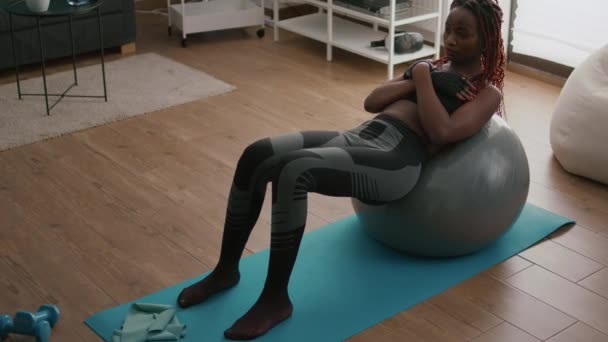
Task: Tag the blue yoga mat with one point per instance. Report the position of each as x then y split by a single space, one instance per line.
343 283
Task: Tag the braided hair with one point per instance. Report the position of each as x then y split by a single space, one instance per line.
489 18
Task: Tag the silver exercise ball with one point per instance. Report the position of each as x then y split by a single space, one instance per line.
467 197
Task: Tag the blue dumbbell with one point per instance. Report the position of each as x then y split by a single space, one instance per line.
37 324
6 326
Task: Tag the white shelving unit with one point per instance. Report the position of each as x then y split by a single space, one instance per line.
212 15
345 34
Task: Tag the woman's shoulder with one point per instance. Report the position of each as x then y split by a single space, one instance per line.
490 94
408 72
491 89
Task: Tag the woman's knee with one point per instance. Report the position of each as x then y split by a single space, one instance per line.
251 158
291 168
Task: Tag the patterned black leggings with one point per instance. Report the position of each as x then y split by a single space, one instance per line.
376 162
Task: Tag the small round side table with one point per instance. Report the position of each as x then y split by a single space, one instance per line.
57 8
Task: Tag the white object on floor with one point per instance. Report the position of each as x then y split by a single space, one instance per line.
137 85
213 15
579 126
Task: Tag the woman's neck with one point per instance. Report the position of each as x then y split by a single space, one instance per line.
470 70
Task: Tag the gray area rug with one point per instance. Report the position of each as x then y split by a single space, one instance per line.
136 85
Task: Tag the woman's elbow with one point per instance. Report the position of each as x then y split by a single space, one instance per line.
370 106
438 136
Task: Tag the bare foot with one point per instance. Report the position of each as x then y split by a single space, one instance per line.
210 285
263 316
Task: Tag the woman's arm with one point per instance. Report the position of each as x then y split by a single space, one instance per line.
393 90
389 92
469 118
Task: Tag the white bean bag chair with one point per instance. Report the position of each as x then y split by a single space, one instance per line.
579 126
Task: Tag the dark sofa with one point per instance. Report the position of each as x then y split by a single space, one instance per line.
118 20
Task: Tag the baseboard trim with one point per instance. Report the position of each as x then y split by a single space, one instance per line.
536 74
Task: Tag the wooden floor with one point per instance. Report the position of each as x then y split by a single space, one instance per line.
106 215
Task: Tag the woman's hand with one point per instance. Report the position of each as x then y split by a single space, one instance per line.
469 91
453 85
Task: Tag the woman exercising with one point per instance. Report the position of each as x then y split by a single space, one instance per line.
433 104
